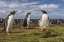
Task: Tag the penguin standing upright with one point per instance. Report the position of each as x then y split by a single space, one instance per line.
44 21
9 22
27 20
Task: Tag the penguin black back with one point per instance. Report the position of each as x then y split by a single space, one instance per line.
25 19
6 20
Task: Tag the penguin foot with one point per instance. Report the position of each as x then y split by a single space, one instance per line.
8 33
46 30
42 29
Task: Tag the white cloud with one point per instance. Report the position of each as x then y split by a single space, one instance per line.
2 4
33 7
24 0
2 11
19 11
51 6
26 4
13 5
62 0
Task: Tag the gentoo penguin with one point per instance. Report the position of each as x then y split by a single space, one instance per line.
44 21
27 20
9 22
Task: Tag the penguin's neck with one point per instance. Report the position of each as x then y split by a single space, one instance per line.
28 16
11 15
44 13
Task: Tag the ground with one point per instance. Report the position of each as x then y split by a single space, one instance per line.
33 34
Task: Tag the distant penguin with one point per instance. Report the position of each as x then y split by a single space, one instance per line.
44 21
27 20
9 22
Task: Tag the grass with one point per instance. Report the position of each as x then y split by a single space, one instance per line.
33 34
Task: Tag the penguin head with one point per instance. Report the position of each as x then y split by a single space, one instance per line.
44 12
28 13
13 12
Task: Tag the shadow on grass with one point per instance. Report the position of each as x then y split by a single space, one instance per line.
48 34
32 28
18 32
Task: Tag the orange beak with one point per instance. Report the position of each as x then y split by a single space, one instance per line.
16 10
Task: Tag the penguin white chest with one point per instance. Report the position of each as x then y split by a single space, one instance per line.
44 23
44 17
11 19
28 20
10 23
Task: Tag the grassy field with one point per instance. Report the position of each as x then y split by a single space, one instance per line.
33 34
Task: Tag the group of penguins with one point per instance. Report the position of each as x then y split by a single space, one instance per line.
43 22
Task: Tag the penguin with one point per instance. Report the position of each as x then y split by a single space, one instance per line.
9 22
44 21
26 20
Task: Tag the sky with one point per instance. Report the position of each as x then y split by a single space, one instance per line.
54 8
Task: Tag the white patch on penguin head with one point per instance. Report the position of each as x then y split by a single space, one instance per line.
15 10
29 13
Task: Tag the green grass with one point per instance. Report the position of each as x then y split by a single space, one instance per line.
33 35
